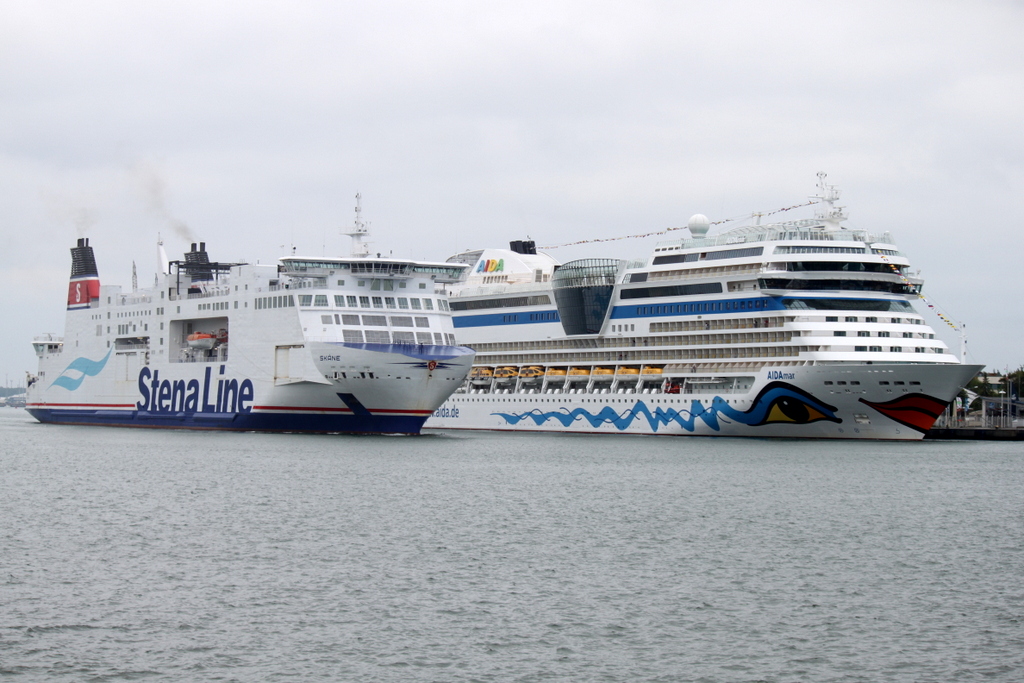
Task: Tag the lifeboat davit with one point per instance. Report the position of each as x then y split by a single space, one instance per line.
201 340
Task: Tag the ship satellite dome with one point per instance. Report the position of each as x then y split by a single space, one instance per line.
698 225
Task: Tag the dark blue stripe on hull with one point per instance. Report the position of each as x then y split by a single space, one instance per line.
252 422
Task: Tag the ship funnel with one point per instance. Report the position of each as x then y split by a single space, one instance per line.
197 262
85 278
526 247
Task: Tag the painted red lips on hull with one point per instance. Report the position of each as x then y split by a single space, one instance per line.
917 411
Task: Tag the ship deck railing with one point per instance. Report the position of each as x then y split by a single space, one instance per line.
807 230
300 282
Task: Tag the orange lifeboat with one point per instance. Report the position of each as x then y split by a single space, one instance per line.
201 340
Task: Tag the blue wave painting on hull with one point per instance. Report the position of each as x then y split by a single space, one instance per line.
88 368
777 402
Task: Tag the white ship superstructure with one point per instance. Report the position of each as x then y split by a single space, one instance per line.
797 329
349 344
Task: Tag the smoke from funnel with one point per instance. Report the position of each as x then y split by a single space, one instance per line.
84 219
153 188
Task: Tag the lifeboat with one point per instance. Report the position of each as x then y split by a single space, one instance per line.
604 371
556 372
201 340
531 372
579 371
629 371
506 372
481 374
650 370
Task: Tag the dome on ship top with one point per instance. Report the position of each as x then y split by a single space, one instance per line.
698 225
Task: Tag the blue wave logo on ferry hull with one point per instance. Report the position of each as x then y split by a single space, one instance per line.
87 368
776 403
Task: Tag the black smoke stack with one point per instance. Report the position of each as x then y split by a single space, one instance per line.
523 246
83 261
197 263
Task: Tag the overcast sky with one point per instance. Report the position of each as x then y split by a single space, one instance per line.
251 126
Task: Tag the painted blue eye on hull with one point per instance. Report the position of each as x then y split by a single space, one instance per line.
776 403
88 368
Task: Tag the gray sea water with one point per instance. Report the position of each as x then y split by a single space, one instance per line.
184 556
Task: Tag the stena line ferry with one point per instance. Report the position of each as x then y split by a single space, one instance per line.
355 345
796 329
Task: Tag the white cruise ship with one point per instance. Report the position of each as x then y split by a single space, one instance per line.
797 329
354 345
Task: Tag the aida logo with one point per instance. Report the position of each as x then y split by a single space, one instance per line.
491 265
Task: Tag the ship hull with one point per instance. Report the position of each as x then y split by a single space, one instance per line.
336 388
876 401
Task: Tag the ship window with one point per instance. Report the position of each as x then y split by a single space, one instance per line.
450 338
884 383
841 383
423 338
899 383
883 334
851 318
840 333
352 302
828 382
375 285
914 382
401 321
341 283
831 318
862 333
855 383
896 320
327 319
908 335
375 321
875 349
422 321
378 337
337 320
403 337
895 349
321 300
428 304
305 299
364 302
339 300
860 348
353 336
871 319
415 304
378 302
438 338
403 303
348 319
389 301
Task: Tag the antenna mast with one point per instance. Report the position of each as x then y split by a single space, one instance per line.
359 232
829 194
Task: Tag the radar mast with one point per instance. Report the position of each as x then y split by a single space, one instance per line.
359 232
831 214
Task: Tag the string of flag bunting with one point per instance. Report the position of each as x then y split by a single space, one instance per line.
907 282
683 227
